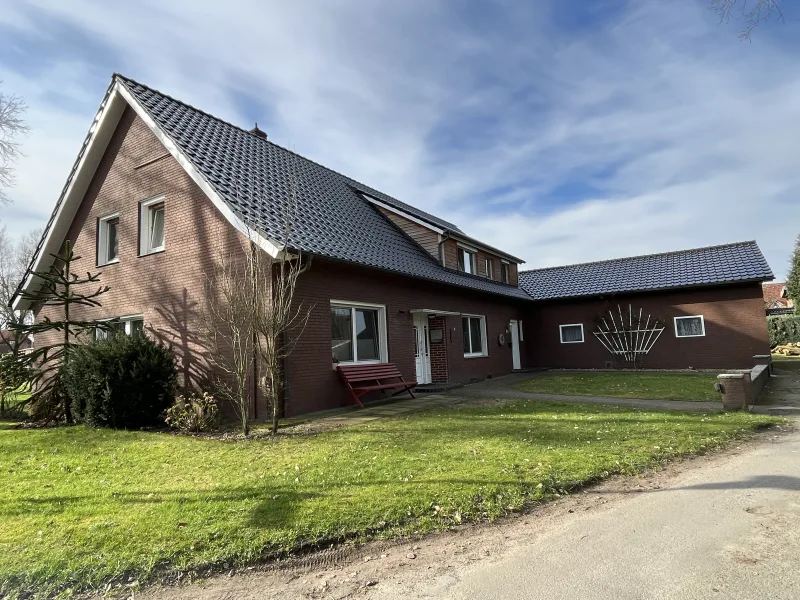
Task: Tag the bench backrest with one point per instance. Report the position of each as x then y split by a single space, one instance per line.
369 372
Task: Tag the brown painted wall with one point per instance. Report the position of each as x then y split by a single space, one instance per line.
734 318
167 288
451 261
426 238
313 383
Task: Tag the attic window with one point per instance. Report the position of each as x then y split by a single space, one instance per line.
489 268
151 226
108 240
504 271
466 260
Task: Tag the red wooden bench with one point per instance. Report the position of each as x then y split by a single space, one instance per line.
361 379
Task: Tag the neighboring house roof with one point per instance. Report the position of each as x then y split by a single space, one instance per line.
7 336
252 182
775 295
714 265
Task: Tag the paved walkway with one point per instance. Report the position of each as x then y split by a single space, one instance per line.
782 395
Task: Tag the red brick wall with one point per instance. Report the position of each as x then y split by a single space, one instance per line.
312 381
438 351
167 288
734 318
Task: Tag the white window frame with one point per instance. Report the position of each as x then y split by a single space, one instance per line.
472 253
484 340
102 240
505 271
488 267
702 326
561 333
127 321
145 216
383 338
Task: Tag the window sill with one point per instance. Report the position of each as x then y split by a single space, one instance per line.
109 263
152 253
351 363
573 342
680 337
476 355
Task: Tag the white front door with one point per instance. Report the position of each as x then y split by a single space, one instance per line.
514 327
422 352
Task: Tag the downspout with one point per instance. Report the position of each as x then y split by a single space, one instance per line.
442 240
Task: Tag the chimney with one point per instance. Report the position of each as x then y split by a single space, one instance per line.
258 133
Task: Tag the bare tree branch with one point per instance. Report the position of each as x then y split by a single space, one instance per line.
752 12
12 126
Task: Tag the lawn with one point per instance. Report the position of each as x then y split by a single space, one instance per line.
82 507
654 386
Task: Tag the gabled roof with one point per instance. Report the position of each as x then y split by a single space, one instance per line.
714 265
252 181
775 292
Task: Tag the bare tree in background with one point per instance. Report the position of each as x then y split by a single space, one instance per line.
252 319
752 12
14 261
11 127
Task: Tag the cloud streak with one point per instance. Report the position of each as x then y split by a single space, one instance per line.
561 134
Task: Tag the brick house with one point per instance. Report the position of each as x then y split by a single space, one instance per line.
776 298
160 189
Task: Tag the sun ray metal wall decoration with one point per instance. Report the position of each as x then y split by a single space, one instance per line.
628 336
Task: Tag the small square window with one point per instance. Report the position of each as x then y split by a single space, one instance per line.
108 240
466 260
690 326
572 333
151 233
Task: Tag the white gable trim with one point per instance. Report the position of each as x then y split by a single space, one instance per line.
269 246
104 125
402 213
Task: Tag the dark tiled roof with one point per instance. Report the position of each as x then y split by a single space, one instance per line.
698 267
257 178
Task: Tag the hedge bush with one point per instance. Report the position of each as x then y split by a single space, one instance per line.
124 383
783 329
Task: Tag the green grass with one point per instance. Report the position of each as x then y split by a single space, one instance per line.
82 507
653 386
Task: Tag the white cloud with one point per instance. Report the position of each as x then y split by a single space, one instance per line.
685 133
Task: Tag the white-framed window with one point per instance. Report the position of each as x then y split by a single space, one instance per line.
504 271
466 260
474 328
488 267
132 325
693 326
571 333
108 239
358 332
151 226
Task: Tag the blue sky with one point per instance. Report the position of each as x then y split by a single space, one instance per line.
563 131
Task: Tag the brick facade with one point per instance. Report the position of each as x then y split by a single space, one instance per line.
168 290
735 327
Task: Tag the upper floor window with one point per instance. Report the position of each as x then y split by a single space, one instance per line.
504 271
489 268
690 326
151 233
466 260
108 240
